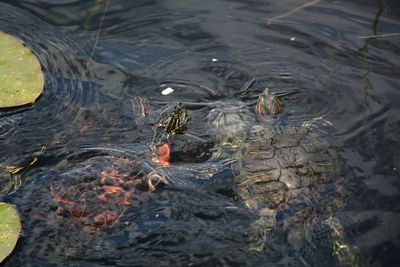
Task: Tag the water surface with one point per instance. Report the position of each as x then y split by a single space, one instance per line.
99 55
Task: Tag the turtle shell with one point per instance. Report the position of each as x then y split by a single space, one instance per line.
278 163
98 191
290 177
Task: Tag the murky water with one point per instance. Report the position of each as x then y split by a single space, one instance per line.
99 56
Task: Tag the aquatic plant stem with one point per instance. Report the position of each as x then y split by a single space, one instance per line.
379 35
314 2
98 34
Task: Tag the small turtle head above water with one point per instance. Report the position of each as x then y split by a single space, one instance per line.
230 123
268 104
175 122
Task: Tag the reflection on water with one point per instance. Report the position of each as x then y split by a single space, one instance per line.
98 56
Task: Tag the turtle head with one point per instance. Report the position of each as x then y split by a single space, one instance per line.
175 121
268 104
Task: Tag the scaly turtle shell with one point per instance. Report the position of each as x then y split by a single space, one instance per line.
289 176
98 191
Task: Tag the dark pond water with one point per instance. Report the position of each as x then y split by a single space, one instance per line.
99 57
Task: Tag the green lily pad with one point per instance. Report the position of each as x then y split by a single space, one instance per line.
10 226
21 76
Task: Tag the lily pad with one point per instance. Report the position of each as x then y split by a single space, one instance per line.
21 76
10 226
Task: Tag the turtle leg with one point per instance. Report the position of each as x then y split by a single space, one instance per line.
261 228
262 231
345 253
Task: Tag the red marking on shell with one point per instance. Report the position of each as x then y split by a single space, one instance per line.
112 189
58 199
76 213
103 218
102 197
126 197
102 200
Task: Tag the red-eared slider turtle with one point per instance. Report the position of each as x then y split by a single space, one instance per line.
289 176
98 190
163 123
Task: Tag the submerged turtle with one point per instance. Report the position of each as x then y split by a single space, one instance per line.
99 190
289 176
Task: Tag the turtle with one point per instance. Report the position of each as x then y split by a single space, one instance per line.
98 190
168 141
288 176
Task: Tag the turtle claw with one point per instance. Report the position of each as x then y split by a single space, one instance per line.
155 181
260 229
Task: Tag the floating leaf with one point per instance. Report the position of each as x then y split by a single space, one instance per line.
10 226
21 77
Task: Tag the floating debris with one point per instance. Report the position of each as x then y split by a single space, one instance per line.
167 91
